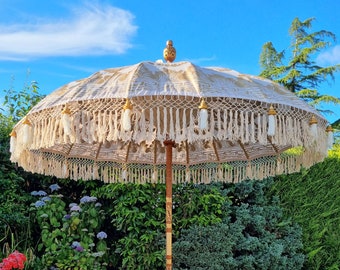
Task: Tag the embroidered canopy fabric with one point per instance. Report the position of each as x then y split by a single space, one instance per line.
165 98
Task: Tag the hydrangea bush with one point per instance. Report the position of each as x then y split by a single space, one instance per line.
71 236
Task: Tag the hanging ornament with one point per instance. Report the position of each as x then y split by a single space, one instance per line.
66 121
126 119
124 174
314 126
13 141
154 176
330 141
203 120
271 121
27 132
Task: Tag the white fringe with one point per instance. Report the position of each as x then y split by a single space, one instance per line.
156 123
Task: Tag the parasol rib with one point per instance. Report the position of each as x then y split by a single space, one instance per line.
155 153
244 149
127 152
273 145
69 150
187 157
98 150
215 150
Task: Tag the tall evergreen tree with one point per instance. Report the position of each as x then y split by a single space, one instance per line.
300 73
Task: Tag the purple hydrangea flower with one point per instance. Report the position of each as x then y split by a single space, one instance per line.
39 204
75 208
88 199
79 248
101 235
68 216
54 187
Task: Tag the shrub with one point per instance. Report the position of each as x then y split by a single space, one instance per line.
253 236
138 218
71 236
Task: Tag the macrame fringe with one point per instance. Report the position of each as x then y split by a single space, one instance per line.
53 164
159 123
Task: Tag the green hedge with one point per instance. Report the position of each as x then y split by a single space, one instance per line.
311 198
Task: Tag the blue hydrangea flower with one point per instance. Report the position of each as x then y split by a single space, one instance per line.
68 216
54 187
75 208
45 199
38 193
88 199
101 235
72 204
39 204
98 254
75 244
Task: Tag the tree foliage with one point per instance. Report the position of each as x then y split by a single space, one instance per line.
18 103
299 72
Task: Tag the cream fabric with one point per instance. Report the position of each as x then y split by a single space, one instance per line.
165 100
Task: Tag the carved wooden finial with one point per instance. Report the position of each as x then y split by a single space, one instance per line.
169 52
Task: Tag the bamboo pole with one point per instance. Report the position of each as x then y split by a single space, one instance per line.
168 203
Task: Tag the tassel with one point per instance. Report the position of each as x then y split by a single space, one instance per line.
271 121
154 176
190 131
27 132
177 126
165 123
126 119
314 127
330 139
184 124
203 120
124 175
13 141
187 175
171 127
66 121
158 122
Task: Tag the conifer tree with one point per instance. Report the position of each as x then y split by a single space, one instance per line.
299 72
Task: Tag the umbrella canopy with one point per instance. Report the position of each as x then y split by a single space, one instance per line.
111 126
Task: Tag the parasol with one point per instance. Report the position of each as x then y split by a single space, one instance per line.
169 122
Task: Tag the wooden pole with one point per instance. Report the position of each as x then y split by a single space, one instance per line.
168 203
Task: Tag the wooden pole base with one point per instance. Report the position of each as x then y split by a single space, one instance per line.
169 144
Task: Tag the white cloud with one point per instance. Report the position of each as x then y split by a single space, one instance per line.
91 30
330 57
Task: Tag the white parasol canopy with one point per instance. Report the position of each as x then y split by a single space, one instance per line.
165 99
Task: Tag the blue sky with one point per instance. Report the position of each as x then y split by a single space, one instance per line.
58 41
